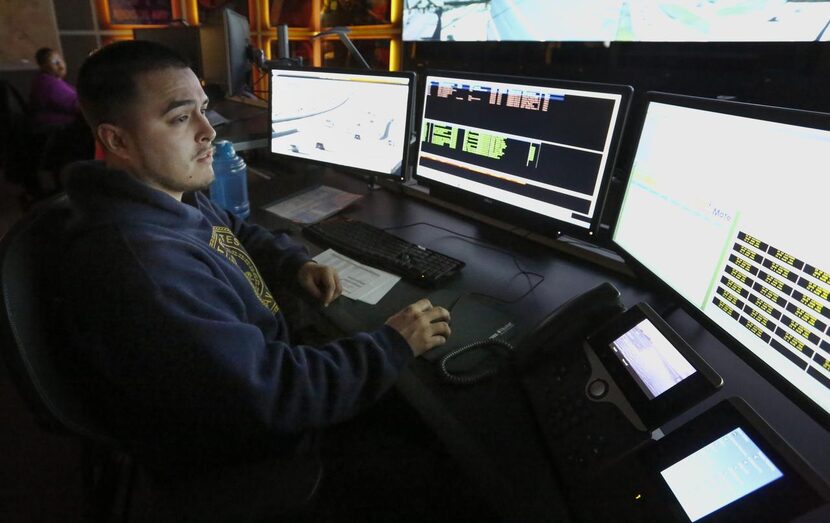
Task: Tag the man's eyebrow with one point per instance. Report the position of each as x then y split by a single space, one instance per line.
175 104
179 103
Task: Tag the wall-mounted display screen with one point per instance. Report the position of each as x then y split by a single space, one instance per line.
618 20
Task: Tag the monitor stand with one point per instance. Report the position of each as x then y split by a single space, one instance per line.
371 183
253 100
215 119
574 246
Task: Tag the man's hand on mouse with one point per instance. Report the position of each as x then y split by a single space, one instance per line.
422 325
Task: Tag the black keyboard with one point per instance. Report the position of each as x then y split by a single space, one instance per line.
378 248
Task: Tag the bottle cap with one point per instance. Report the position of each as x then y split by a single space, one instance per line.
223 149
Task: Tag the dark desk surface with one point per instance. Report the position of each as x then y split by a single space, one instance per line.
489 427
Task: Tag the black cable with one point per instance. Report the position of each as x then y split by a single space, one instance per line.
474 377
263 76
479 243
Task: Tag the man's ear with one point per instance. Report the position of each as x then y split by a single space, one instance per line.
114 139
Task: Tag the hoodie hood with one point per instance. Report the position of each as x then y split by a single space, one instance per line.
110 196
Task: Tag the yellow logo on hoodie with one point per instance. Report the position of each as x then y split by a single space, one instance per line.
225 243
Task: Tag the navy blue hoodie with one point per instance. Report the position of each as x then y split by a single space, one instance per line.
166 303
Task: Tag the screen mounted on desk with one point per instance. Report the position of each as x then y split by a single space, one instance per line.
726 464
658 373
720 473
355 119
726 204
651 359
535 152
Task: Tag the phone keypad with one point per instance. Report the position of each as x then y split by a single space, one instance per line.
581 430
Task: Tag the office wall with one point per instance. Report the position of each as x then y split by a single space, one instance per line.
790 74
77 29
80 33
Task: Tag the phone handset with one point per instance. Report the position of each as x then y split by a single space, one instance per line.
572 321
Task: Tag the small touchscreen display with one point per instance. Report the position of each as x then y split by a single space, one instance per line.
723 471
651 359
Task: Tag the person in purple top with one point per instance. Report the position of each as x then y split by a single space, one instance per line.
57 133
53 102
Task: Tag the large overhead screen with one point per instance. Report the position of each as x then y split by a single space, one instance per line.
726 204
618 20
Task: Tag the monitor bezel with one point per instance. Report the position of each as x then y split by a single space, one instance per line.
411 76
188 37
798 117
534 222
237 66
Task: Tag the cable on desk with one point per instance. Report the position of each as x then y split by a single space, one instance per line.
475 377
263 76
470 239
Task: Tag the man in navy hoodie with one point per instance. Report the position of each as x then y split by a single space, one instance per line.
166 296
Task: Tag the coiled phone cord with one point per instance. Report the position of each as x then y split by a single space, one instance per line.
475 377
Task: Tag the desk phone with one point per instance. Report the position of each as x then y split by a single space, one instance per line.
599 392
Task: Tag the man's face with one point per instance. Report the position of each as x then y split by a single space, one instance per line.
54 65
168 136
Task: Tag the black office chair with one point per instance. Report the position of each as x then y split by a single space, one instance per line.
14 133
48 380
34 156
117 488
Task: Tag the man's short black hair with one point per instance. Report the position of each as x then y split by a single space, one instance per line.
42 55
106 79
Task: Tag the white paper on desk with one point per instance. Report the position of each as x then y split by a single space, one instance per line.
359 282
313 205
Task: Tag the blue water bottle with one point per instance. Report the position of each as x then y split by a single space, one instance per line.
229 189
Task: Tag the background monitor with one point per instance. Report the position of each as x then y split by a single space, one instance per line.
619 20
184 40
358 120
535 152
226 58
726 205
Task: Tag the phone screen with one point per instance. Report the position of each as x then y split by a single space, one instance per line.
723 471
651 359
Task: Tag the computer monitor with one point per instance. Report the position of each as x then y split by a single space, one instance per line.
360 121
184 40
725 206
532 151
225 56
